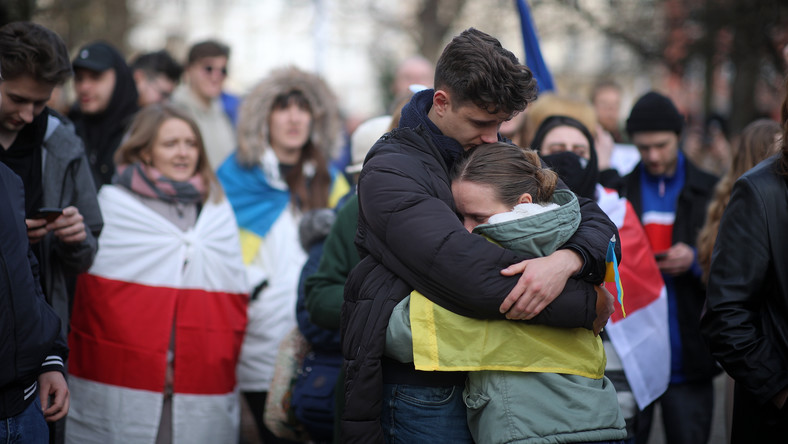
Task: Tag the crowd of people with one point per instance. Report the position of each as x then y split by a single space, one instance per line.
172 255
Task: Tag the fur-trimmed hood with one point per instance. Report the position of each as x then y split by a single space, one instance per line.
253 132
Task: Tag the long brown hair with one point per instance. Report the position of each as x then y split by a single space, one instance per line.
143 132
306 193
757 142
310 91
509 170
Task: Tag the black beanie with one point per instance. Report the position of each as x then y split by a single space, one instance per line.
654 112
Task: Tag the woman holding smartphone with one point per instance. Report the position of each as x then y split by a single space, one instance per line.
159 318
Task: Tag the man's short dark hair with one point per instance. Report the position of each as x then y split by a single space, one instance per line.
159 62
208 48
474 67
30 49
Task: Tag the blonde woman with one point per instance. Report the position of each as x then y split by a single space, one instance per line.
159 318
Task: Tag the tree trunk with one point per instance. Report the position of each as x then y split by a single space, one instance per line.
746 57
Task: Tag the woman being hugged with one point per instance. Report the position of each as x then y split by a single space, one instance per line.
159 318
288 128
527 381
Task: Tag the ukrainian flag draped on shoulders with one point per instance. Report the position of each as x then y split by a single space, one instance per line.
258 196
446 341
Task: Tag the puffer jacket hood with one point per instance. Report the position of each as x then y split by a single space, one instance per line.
253 131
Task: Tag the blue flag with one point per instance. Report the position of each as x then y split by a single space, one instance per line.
533 55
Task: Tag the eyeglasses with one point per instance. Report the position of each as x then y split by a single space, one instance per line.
210 70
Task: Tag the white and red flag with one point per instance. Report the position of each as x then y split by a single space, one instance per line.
151 284
642 338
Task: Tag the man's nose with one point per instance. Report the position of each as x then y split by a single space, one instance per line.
27 113
651 155
490 136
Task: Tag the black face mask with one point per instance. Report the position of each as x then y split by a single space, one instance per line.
578 174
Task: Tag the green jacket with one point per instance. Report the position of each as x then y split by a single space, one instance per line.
325 288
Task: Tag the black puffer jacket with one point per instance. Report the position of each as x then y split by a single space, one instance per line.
410 237
29 328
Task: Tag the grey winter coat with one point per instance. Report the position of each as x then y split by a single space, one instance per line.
67 182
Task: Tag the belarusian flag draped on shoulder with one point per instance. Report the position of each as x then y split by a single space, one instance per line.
641 339
151 284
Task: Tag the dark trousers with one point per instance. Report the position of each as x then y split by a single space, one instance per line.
757 422
687 409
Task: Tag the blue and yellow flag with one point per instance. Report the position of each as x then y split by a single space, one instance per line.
611 272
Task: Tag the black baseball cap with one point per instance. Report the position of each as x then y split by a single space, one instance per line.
96 56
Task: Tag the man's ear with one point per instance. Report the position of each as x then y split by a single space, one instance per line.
441 101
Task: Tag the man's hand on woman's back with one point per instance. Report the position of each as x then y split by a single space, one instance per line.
541 282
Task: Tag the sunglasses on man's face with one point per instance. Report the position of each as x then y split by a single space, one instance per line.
210 70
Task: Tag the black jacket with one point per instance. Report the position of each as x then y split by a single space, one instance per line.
746 322
410 237
31 342
690 291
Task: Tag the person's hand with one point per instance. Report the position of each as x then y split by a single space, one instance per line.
604 145
36 229
780 398
604 308
677 260
69 226
541 282
52 385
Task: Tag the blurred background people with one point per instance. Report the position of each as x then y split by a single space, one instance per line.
156 74
551 104
758 141
288 129
670 195
200 95
638 346
708 144
514 129
159 319
747 300
606 100
414 70
105 104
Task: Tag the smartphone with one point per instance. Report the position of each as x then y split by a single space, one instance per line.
48 213
660 256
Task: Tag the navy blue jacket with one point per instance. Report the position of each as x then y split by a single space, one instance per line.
690 291
31 342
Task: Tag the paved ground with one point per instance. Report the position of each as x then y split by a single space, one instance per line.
718 434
